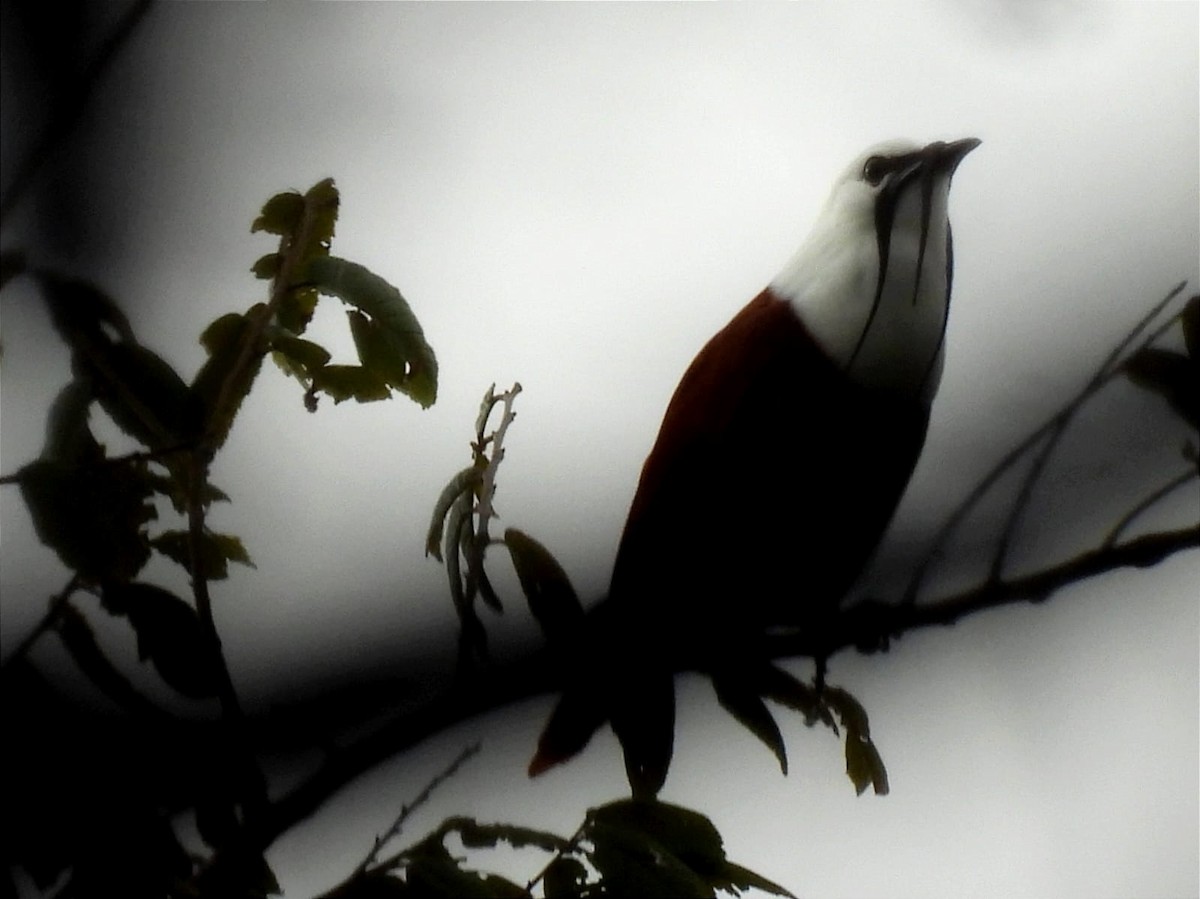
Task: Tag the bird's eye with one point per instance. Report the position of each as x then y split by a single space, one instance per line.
874 169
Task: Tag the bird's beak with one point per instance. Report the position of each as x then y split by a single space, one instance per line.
946 157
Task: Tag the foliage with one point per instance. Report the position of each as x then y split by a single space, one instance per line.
625 848
94 810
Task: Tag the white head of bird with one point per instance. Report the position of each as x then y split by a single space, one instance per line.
872 281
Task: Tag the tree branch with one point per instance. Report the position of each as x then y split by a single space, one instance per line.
870 625
866 627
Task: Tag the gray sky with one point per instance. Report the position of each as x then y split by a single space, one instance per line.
576 197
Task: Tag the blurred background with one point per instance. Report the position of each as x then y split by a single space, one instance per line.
576 197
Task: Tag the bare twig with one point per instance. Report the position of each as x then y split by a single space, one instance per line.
1137 511
567 847
1050 432
868 626
407 809
1107 370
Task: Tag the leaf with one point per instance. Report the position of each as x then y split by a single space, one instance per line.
1173 375
80 641
94 517
684 833
323 202
267 267
552 599
780 686
635 863
565 876
432 872
345 382
170 635
485 836
657 849
216 551
82 314
281 214
395 344
68 438
466 480
143 394
298 357
743 703
235 356
864 765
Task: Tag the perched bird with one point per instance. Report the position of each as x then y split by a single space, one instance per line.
780 461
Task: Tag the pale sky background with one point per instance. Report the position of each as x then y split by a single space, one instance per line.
576 197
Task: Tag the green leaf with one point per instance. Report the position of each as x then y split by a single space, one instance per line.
346 382
633 863
864 765
552 599
322 201
267 267
466 480
1173 375
741 701
485 836
281 214
216 551
234 355
655 849
298 357
93 517
170 635
143 394
395 345
296 309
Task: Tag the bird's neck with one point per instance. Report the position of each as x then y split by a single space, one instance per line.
885 334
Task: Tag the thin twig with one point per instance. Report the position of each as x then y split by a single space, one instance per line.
1018 452
1107 370
253 784
569 846
1133 514
406 810
868 626
484 510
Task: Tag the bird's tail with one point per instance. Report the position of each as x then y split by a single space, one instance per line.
617 678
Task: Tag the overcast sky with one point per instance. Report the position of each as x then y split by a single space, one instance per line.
576 197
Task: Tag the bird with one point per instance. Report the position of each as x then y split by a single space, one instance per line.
779 463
